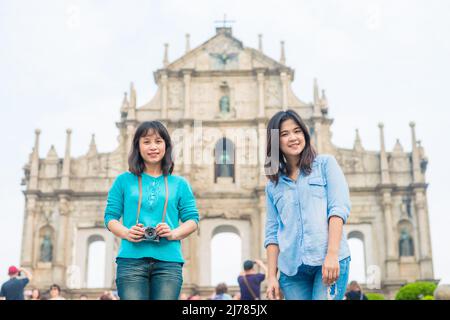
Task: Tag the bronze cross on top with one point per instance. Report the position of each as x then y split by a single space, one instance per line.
224 21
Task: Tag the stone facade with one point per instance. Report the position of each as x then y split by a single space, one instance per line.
223 89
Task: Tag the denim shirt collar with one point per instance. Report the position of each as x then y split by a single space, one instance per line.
301 174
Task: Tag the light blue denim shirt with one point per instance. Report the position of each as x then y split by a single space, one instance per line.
298 213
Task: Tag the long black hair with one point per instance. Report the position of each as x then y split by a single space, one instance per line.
136 164
307 156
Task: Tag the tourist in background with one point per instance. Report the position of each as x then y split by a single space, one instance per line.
355 292
55 292
250 280
13 288
221 292
35 294
195 295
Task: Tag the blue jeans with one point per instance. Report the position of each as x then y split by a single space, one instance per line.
307 283
148 279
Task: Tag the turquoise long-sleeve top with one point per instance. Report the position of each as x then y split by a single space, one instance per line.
122 203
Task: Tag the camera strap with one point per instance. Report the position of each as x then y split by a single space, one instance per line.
252 293
140 199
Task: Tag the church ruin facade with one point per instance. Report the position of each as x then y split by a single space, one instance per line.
216 101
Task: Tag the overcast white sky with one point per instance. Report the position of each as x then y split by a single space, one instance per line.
66 64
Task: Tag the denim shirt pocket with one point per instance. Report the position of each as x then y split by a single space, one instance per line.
317 186
280 202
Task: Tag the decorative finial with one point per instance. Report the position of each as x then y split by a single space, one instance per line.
398 148
166 55
357 144
133 97
260 44
188 43
52 155
92 146
324 102
412 124
316 91
283 56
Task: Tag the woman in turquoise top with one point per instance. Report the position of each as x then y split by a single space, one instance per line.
150 270
307 204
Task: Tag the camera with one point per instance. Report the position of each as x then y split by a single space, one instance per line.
150 234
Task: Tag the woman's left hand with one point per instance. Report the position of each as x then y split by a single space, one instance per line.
163 230
330 269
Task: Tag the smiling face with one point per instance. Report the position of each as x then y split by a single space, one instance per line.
292 139
152 147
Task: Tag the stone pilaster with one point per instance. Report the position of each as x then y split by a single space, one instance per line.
261 105
164 92
129 142
417 175
284 86
62 243
187 150
65 181
392 267
262 146
28 227
34 170
187 93
425 255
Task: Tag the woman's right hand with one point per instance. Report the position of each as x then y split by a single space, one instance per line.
135 233
273 289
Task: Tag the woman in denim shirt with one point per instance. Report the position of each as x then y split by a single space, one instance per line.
148 270
307 204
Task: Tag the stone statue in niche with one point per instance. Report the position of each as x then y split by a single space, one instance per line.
224 104
46 249
406 246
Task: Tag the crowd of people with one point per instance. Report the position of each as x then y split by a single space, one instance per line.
15 289
249 281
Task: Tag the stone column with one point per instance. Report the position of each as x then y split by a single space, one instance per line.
187 151
65 181
129 142
61 244
284 86
317 135
194 248
34 169
317 118
392 268
426 268
187 93
262 146
384 165
28 227
164 84
417 175
261 107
